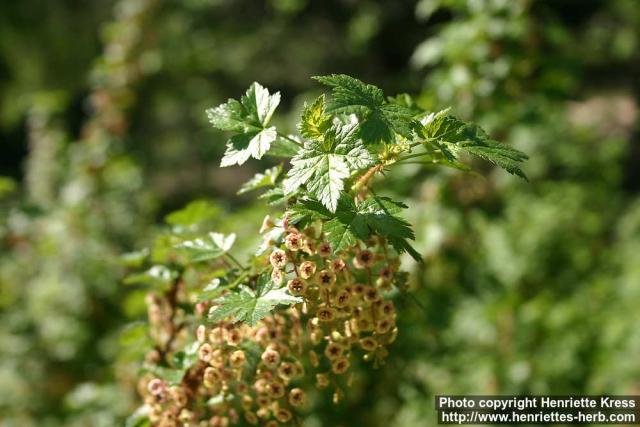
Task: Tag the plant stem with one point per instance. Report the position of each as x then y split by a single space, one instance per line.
288 138
235 261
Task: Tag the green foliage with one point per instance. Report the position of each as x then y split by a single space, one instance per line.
206 248
260 180
249 118
250 306
381 120
324 165
339 148
314 121
374 216
194 213
451 136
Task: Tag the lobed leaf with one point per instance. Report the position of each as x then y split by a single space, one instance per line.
213 246
250 118
322 166
249 306
380 120
452 135
268 178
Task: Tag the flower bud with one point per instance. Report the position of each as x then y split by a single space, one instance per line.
322 381
251 418
267 224
201 333
277 276
276 390
205 351
342 299
156 387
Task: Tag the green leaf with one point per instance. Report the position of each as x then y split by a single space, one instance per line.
324 165
249 306
314 122
170 375
253 112
351 223
252 144
134 259
135 334
267 178
276 196
497 153
379 214
249 117
214 245
380 120
194 213
185 359
213 290
283 147
351 95
158 275
140 418
452 136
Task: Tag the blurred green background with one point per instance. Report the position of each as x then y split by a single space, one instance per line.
527 288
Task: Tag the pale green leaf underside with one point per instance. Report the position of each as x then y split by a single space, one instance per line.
213 246
249 118
243 146
267 178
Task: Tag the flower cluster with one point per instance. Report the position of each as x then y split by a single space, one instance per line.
258 373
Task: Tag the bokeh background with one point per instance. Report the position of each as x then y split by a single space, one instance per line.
527 288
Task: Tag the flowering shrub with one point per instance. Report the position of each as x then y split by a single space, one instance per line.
236 343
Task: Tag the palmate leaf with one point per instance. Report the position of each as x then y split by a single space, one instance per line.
380 119
249 118
351 223
452 136
213 246
267 178
322 166
252 144
249 306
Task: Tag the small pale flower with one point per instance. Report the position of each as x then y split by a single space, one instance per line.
278 258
